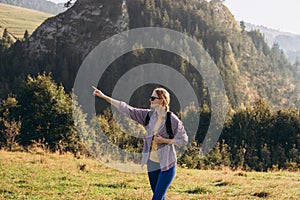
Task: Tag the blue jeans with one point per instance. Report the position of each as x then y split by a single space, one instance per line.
159 180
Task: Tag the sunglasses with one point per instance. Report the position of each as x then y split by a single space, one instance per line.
152 98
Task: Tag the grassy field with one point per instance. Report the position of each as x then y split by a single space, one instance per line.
17 19
52 176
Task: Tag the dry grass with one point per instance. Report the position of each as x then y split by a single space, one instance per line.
53 176
17 19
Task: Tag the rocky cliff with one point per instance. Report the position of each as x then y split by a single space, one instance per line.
80 28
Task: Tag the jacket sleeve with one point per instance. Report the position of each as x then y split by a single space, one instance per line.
180 134
137 114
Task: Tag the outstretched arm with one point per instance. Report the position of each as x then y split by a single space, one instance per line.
110 100
136 114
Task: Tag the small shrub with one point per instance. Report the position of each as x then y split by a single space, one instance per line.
261 194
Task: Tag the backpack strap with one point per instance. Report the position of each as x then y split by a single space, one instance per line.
169 126
148 118
168 123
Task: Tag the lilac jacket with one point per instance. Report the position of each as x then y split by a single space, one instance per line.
166 152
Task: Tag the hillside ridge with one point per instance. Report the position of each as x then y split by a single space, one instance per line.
13 17
39 5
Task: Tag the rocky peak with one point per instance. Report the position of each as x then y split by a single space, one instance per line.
80 28
223 15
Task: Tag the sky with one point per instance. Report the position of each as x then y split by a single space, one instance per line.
283 15
278 14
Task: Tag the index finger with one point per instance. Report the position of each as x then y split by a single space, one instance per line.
94 88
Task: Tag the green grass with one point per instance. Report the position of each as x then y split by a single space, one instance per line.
17 19
52 176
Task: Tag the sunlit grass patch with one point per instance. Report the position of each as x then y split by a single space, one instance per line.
13 18
24 176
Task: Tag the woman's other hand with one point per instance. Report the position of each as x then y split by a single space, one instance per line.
160 140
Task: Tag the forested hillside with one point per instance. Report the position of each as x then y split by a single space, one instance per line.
248 66
289 42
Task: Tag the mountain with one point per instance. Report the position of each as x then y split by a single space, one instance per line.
249 68
288 42
60 44
40 5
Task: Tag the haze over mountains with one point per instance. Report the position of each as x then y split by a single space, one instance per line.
289 42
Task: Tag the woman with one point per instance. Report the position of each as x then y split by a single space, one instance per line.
159 150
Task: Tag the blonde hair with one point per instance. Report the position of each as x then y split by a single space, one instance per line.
165 96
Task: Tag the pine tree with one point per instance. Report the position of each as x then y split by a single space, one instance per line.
6 39
243 26
26 35
5 33
165 19
265 158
